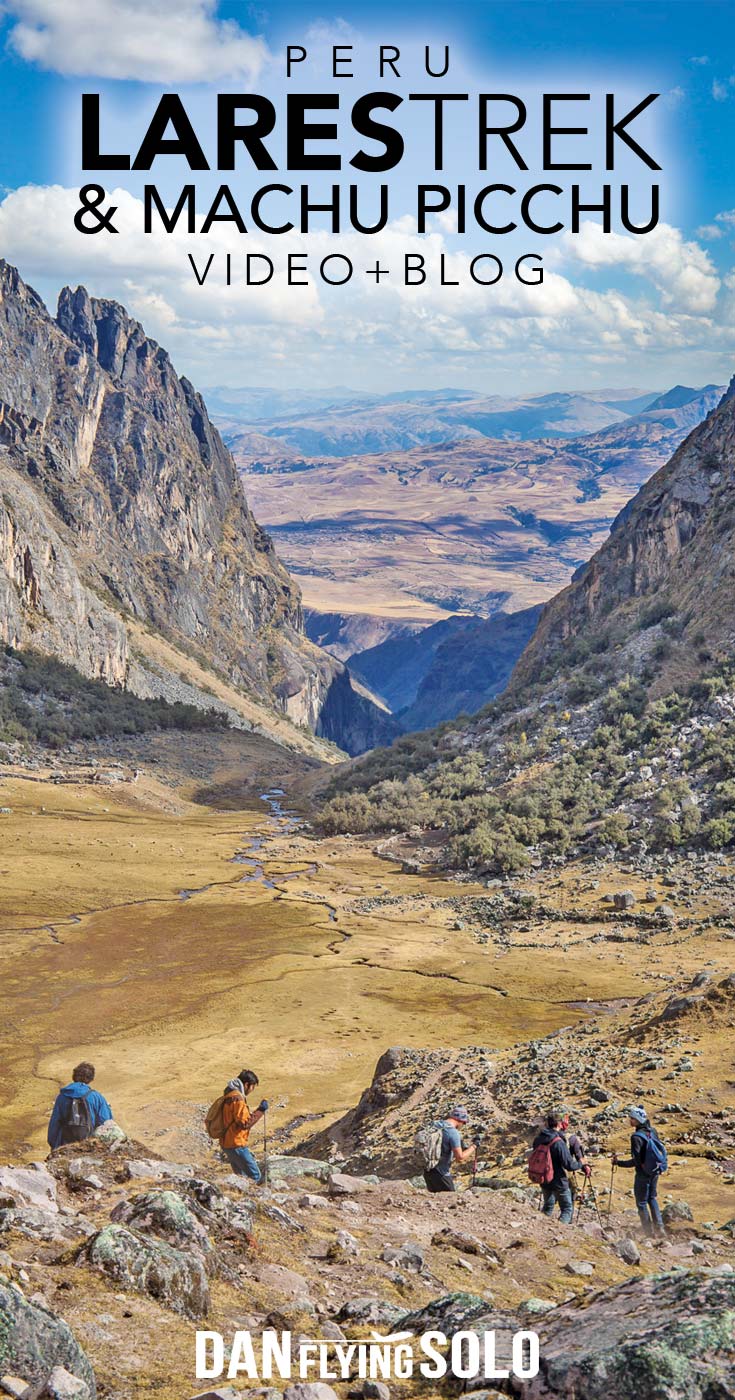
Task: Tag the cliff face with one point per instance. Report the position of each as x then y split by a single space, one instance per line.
672 546
120 499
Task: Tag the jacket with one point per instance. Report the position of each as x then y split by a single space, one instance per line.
638 1149
561 1157
99 1107
236 1118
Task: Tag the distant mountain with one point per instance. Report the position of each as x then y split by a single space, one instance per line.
679 396
473 525
127 547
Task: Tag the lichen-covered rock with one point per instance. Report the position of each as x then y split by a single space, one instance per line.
370 1312
33 1340
110 1133
665 1337
164 1213
173 1278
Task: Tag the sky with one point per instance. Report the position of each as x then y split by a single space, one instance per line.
613 310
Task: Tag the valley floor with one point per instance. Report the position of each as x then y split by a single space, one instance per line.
172 942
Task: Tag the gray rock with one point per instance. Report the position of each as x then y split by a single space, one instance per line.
340 1184
149 1265
409 1256
579 1268
376 1390
624 899
628 1251
145 1170
62 1385
28 1186
677 1210
44 1225
310 1390
33 1340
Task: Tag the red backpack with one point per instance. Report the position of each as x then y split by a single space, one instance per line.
541 1163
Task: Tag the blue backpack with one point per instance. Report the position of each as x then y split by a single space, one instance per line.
655 1159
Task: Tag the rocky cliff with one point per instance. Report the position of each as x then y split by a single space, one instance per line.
120 502
670 551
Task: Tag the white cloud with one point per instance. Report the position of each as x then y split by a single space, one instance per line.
165 41
720 91
681 271
364 332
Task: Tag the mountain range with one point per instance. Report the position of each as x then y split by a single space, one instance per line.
389 545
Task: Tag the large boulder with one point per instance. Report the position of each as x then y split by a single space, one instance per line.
173 1278
166 1214
666 1336
28 1186
292 1168
33 1341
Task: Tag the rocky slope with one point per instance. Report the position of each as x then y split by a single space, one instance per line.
119 503
670 549
112 1255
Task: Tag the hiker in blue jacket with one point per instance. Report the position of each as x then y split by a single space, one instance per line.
78 1110
648 1156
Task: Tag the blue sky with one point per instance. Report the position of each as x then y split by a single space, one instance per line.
613 309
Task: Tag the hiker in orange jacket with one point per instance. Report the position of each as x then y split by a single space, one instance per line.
239 1122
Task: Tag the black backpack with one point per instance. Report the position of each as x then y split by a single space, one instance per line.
77 1121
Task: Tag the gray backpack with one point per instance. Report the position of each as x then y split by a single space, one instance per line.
428 1144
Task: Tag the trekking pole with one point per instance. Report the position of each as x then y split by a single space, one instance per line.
610 1197
265 1149
581 1200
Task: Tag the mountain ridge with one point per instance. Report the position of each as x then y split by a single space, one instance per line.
120 501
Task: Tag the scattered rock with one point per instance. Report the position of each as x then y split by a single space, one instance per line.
457 1239
579 1269
45 1225
28 1186
623 899
340 1184
175 1279
62 1385
676 1210
409 1256
33 1340
291 1168
310 1390
628 1251
145 1169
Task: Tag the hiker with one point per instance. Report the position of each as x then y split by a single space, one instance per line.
78 1109
574 1143
238 1122
447 1149
548 1165
648 1156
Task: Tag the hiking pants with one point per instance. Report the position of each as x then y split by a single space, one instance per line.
437 1181
558 1191
645 1190
242 1162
